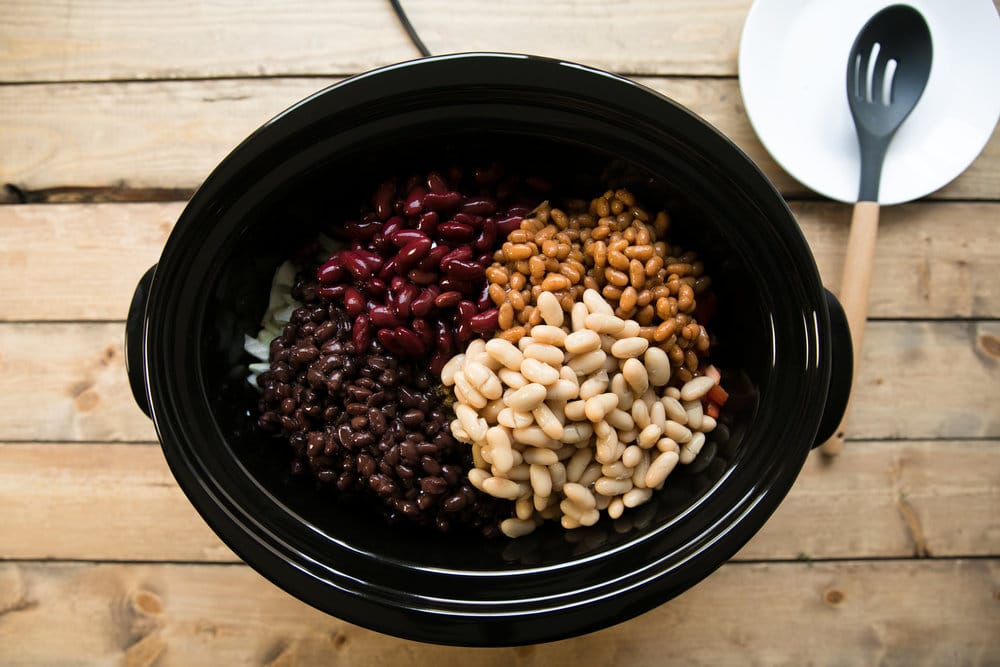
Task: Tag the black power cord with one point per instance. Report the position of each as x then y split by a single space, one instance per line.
410 30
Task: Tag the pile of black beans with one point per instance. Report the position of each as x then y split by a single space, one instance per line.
367 423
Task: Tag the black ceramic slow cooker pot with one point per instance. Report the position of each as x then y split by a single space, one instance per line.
783 342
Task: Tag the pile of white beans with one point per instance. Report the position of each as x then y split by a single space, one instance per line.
576 418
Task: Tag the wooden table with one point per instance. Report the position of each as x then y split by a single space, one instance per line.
112 113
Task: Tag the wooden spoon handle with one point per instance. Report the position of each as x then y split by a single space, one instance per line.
854 287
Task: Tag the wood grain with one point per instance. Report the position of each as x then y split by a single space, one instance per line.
106 502
847 613
920 380
83 261
98 39
72 134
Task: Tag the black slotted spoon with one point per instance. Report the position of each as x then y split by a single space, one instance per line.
887 71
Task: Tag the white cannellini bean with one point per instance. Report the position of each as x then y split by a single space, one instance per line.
607 486
594 385
596 303
628 436
602 503
541 480
531 435
667 445
527 398
658 414
578 316
500 487
459 433
524 509
471 422
540 456
524 342
691 449
491 411
453 366
577 432
536 371
600 405
672 392
636 497
506 418
548 335
588 362
619 385
632 346
621 420
541 503
695 388
570 509
476 373
567 373
660 467
500 449
611 365
577 464
674 409
708 424
550 308
695 414
582 341
548 422
677 432
515 527
590 517
574 410
616 508
477 456
519 473
590 475
568 522
558 473
472 395
607 342
492 389
512 379
658 366
604 430
605 323
635 374
617 470
579 495
640 414
505 352
648 436
563 390
477 476
639 472
631 329
547 354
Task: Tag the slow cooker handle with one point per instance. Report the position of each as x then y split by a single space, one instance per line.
842 370
135 364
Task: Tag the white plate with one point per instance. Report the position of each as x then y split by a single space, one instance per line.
793 63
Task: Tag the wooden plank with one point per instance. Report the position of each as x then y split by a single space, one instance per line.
83 261
178 131
919 380
884 612
58 40
119 502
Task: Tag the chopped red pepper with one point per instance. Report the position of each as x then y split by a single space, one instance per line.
718 395
712 410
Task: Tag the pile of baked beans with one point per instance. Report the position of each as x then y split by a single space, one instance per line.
475 357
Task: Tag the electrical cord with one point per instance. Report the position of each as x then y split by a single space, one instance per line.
410 30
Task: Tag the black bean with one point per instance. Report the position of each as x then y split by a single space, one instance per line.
412 417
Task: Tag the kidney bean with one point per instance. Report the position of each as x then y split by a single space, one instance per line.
403 236
487 236
363 230
404 298
466 270
385 197
456 232
485 322
415 201
432 260
481 206
412 253
397 283
373 260
424 303
446 201
388 270
361 333
459 253
331 292
448 299
387 338
375 287
354 303
422 277
382 316
393 225
474 221
463 331
424 331
506 225
357 266
445 339
428 222
484 301
466 310
438 361
409 341
448 284
330 272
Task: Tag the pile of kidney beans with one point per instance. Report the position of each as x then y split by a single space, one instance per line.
353 382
